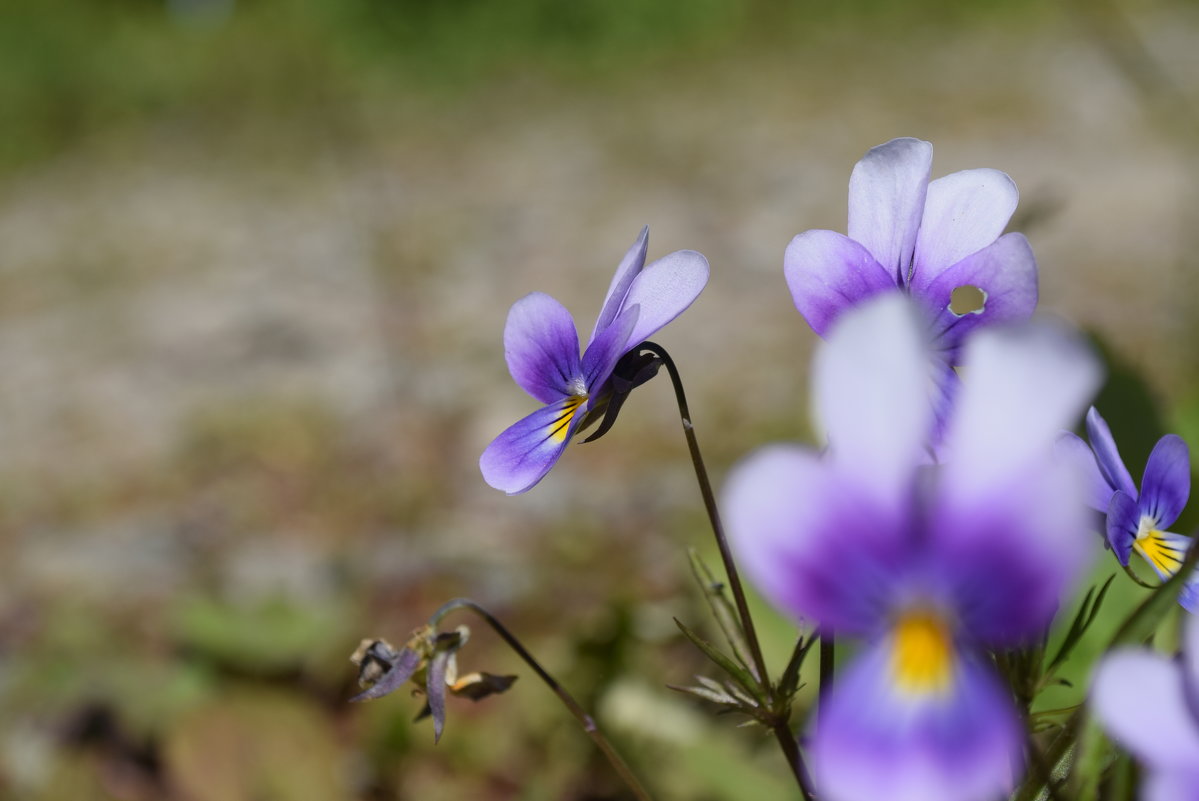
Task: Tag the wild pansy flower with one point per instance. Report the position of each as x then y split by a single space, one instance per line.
930 565
1136 521
541 346
1150 705
926 239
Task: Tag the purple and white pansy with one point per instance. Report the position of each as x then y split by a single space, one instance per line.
541 346
1150 705
1137 521
941 242
930 565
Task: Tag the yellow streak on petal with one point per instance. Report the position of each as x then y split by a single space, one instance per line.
922 653
561 425
1159 552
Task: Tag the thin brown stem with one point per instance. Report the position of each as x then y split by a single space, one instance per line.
780 725
585 720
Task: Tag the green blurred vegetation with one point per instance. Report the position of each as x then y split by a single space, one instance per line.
70 69
207 657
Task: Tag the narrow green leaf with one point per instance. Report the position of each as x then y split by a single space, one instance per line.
737 672
789 682
722 610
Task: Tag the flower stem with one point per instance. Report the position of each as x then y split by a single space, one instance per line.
585 720
828 645
780 725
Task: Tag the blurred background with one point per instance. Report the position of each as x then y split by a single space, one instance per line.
255 262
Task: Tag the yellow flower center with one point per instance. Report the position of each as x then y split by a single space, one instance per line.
1164 555
560 427
922 653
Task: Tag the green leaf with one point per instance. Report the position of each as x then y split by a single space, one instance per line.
722 610
737 672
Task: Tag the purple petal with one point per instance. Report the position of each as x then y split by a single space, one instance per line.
1071 449
606 349
1107 455
886 202
628 269
1025 385
1005 271
542 348
964 212
1123 520
829 273
873 391
874 740
1166 484
1188 596
812 544
664 290
522 455
1008 560
1190 653
1140 699
1173 785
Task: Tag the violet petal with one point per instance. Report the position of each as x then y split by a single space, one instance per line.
874 740
606 349
521 456
1025 385
1108 455
1071 449
1005 271
1123 520
811 543
964 212
663 290
828 273
1139 698
542 348
886 201
872 387
1166 484
628 269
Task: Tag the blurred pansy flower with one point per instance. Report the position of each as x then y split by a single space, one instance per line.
1150 705
542 349
940 242
931 566
1137 521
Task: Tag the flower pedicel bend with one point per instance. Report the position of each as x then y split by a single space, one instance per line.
542 349
1136 521
931 566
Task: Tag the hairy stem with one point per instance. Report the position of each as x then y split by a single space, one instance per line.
585 720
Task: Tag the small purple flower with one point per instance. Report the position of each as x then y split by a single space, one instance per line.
931 565
1150 705
542 349
1137 521
927 239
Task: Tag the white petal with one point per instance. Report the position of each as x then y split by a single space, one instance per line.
1138 697
1021 386
873 387
886 201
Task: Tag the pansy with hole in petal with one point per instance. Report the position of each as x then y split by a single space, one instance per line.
930 565
1150 705
938 241
1137 521
541 346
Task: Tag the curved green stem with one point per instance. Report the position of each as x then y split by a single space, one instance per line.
585 720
